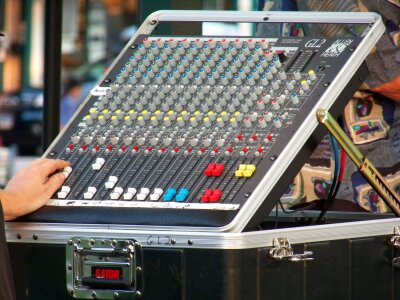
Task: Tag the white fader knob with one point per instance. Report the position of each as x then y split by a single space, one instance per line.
116 193
66 171
112 180
62 194
98 164
89 193
129 194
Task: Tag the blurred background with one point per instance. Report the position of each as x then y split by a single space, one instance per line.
93 33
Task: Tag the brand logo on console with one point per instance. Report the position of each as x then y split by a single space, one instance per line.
336 48
99 90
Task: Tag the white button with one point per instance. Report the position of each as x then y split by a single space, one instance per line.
65 188
96 166
158 191
109 184
92 189
88 195
145 191
154 197
66 171
113 179
100 160
114 196
119 190
141 197
131 190
61 195
128 196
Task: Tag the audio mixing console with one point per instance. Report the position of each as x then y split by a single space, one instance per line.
190 131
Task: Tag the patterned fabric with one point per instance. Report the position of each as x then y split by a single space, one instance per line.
370 119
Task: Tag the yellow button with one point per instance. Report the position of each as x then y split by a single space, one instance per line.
92 110
140 118
118 111
206 119
232 119
210 113
196 113
101 117
311 72
126 117
242 167
113 117
157 112
179 118
171 112
153 118
105 111
247 173
131 111
223 113
239 173
251 167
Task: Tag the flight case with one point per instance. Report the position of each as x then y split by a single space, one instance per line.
352 260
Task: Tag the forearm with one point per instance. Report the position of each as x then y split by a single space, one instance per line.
10 211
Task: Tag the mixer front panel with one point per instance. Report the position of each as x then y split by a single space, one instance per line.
191 124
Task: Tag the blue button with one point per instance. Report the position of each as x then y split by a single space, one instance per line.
183 192
171 191
168 197
180 198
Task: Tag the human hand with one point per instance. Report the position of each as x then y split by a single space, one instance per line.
32 187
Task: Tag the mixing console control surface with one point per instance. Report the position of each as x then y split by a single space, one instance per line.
190 124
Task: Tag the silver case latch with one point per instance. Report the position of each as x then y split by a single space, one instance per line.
282 250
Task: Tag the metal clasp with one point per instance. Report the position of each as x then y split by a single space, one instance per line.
395 242
282 250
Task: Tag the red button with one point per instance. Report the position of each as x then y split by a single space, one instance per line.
254 137
204 198
239 136
208 192
213 198
109 148
208 172
84 147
